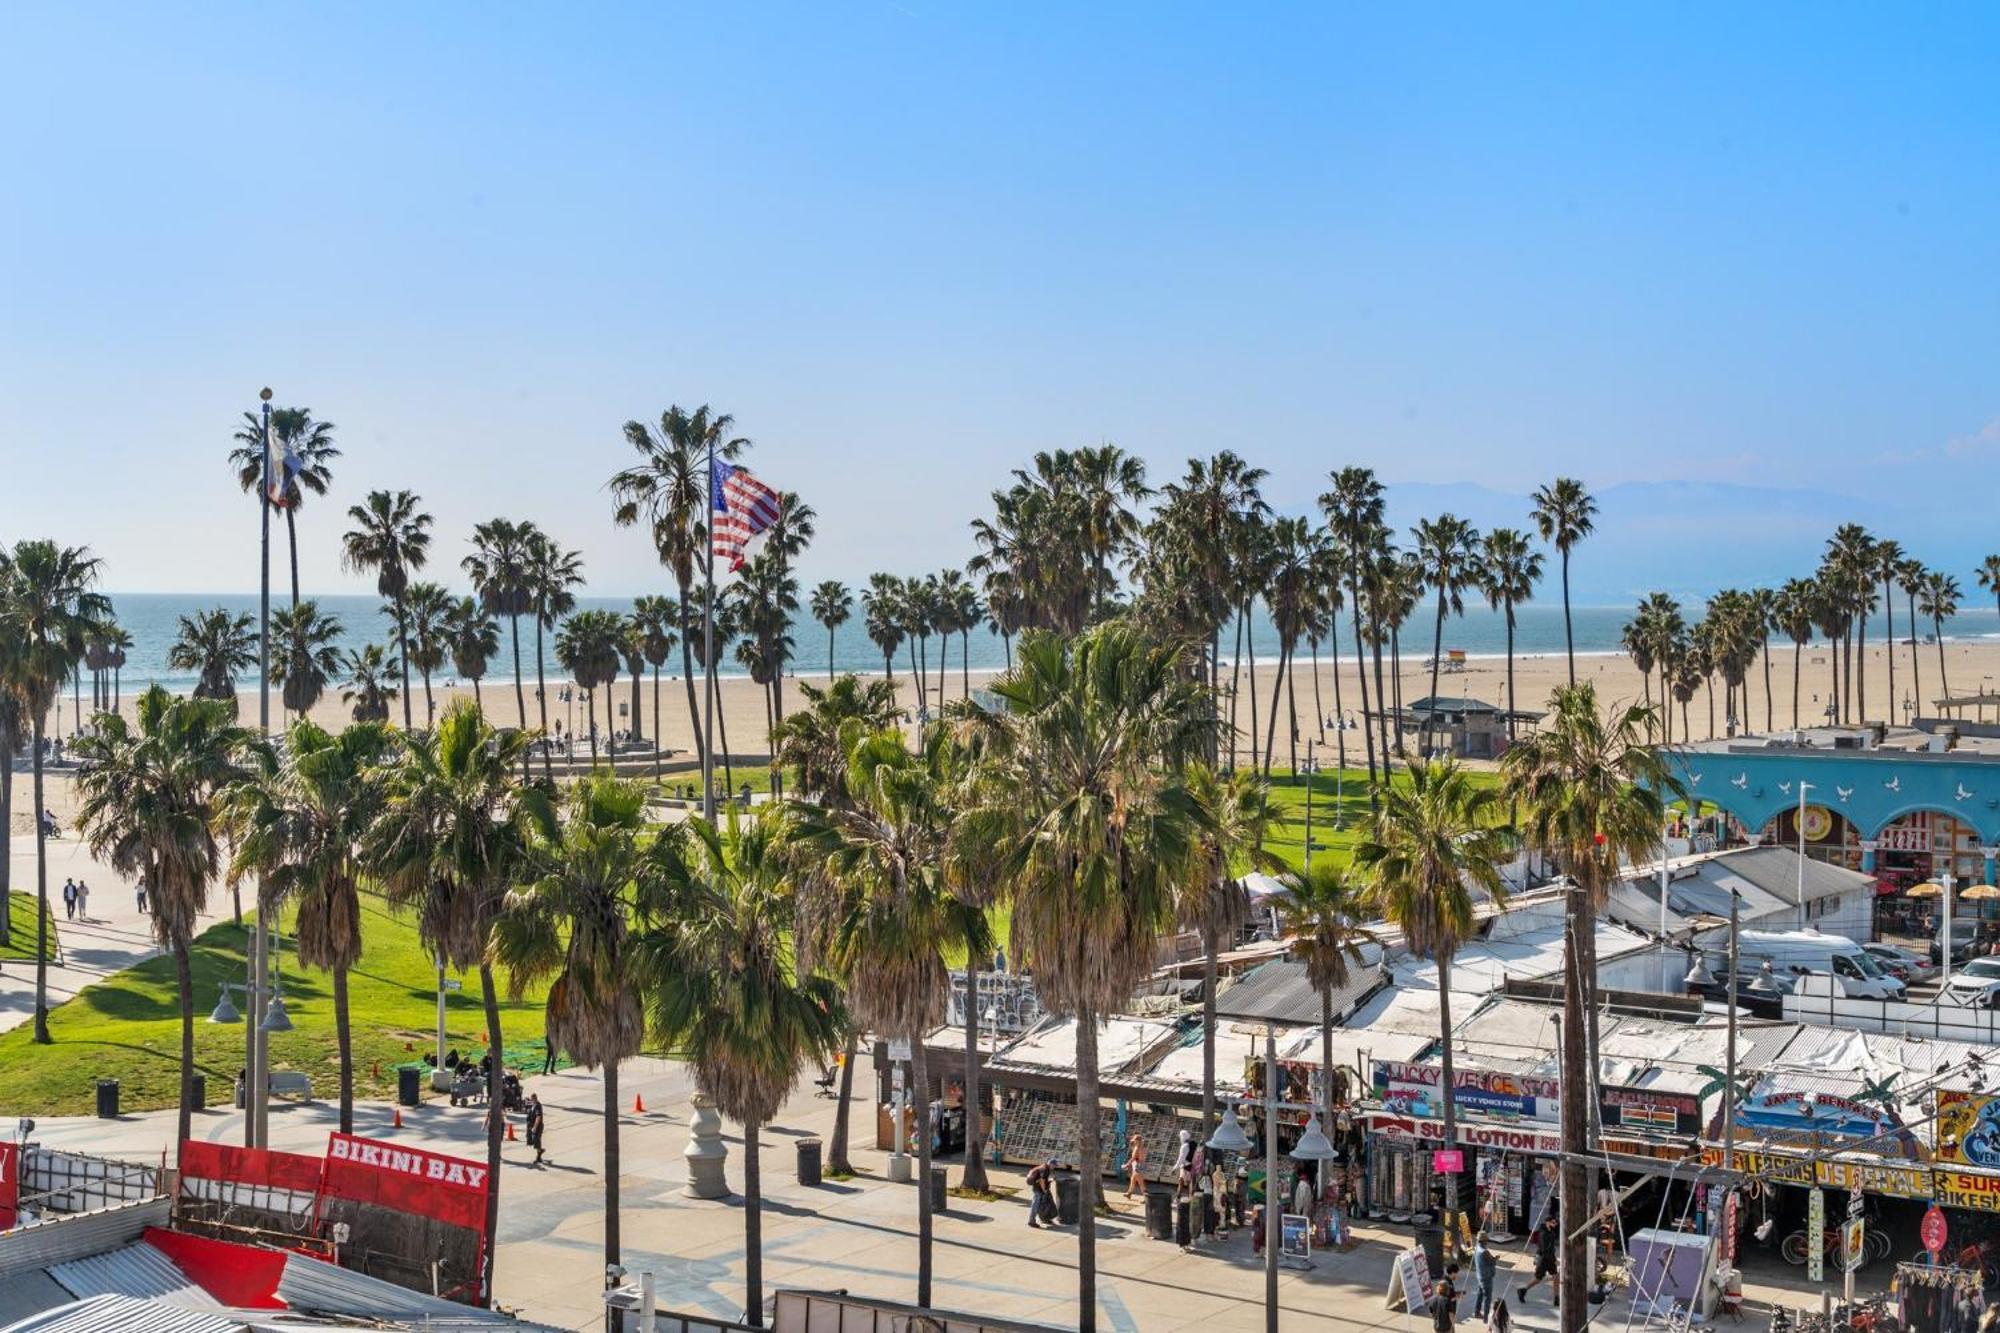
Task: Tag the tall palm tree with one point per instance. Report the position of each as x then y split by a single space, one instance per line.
1988 577
668 490
429 608
216 645
149 806
447 845
1235 813
1434 842
882 611
499 569
897 910
1910 578
13 730
1792 614
370 683
553 575
1295 551
1321 912
958 611
1938 601
391 537
1850 564
570 923
1448 556
1353 509
298 828
1592 793
832 605
49 605
655 619
587 647
1082 805
1564 514
1509 568
309 442
312 656
472 637
632 651
718 971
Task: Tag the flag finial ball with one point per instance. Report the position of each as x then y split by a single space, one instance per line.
266 395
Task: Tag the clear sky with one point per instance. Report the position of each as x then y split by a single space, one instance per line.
909 243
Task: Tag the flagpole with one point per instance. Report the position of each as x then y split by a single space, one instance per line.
708 649
254 1124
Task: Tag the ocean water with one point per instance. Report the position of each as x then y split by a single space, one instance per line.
153 620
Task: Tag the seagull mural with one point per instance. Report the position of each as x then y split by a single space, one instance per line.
1895 783
1785 787
1740 780
1963 794
1843 793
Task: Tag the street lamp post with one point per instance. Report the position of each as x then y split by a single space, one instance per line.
1945 882
1800 820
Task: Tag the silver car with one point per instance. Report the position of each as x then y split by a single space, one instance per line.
1912 967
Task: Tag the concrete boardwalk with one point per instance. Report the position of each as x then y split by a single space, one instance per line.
109 936
858 1234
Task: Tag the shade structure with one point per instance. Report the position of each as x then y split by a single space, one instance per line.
1979 893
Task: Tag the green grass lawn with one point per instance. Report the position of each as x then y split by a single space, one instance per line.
1339 812
128 1026
21 928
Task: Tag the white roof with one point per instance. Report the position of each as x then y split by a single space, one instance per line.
1120 1042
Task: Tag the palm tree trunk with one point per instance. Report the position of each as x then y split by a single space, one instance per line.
41 892
1448 1095
1271 724
1396 675
343 1037
590 716
1430 718
1797 651
1007 642
1361 674
1769 724
1916 673
1383 721
917 675
495 1123
722 729
687 676
7 824
292 540
638 683
965 662
1319 708
829 654
944 664
1326 1060
1292 704
1090 1116
520 696
836 1151
611 1237
1889 640
1575 1191
542 701
921 1069
403 648
1645 676
1211 949
753 1230
659 726
1861 663
1569 635
1251 674
1937 633
975 1127
184 985
1235 683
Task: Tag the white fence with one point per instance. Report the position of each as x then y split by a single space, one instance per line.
1896 1018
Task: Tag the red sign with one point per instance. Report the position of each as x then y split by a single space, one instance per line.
10 1183
1932 1232
1448 1161
409 1180
259 1168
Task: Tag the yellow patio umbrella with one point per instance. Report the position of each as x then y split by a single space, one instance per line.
1979 892
1926 889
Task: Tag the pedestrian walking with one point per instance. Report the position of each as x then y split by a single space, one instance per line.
1485 1264
83 900
1037 1182
549 1060
139 892
69 899
1547 1237
1444 1302
1135 1167
535 1124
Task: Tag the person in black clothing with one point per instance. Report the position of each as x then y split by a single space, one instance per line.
535 1126
1548 1238
1444 1301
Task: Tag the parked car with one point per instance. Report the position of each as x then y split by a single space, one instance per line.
1976 985
1903 963
1964 934
1790 952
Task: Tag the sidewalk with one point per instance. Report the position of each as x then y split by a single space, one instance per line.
114 935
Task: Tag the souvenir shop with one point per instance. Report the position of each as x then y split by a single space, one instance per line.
1939 1299
1505 1173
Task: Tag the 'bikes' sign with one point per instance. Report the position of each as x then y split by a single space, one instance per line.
1968 1189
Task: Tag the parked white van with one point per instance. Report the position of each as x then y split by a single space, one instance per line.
1794 952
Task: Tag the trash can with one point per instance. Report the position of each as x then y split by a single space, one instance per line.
198 1092
1159 1213
1183 1223
409 1085
809 1161
1068 1190
940 1186
107 1099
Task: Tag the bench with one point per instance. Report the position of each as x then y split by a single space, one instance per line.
285 1083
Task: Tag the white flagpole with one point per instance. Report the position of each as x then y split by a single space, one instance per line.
708 651
254 1124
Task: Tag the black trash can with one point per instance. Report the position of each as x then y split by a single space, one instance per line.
409 1085
198 1092
1068 1190
1183 1223
1160 1213
107 1099
940 1185
809 1161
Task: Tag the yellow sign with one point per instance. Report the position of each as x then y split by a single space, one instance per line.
1968 1128
1818 822
1906 1182
1967 1189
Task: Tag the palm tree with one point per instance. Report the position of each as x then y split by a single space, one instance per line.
552 574
1850 566
1988 577
1910 578
1295 552
897 909
429 608
1792 614
1591 794
370 682
668 489
216 645
832 605
1448 556
1082 808
570 923
632 651
1565 513
655 619
1321 911
309 442
149 797
882 610
1938 601
959 612
1434 842
447 845
13 725
48 608
718 971
1509 569
1236 812
498 567
298 829
588 648
1353 509
391 536
312 654
472 637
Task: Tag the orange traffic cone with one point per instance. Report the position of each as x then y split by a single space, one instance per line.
510 1132
409 1046
638 1104
399 1118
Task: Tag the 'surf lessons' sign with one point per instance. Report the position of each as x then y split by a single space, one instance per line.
1650 1110
1414 1090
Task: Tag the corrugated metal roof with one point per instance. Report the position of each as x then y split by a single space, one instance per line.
327 1289
1280 992
138 1270
58 1239
29 1293
123 1314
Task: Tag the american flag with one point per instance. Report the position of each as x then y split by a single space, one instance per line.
743 507
281 464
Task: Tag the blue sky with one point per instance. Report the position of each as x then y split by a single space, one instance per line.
909 243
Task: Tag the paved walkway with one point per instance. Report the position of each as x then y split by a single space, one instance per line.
858 1234
109 936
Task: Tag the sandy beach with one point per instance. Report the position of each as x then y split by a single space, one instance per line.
1971 667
